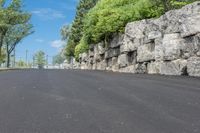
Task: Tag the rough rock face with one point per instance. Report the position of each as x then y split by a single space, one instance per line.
177 67
169 45
146 52
193 66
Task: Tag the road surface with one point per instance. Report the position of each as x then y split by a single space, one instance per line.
67 101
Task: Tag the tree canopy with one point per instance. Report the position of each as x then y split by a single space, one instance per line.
14 25
73 33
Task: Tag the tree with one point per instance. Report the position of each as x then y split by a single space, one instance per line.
11 15
3 56
40 59
65 32
75 32
58 59
21 64
14 35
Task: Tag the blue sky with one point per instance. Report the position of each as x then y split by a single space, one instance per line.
48 17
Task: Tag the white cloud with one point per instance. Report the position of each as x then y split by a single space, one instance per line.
48 13
57 43
39 40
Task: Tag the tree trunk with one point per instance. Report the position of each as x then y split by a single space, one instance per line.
0 55
1 44
8 61
8 56
1 41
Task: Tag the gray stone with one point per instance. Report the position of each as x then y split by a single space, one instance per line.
135 29
169 22
132 57
130 44
198 54
117 41
153 68
101 65
123 49
91 53
191 8
154 35
146 52
191 25
112 53
159 51
139 29
141 68
123 60
115 65
193 66
100 48
177 67
84 57
172 46
128 69
190 46
109 62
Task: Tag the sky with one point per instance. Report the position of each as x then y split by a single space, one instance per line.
48 16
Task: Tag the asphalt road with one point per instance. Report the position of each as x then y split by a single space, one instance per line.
66 101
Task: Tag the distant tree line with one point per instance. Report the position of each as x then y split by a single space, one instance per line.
97 20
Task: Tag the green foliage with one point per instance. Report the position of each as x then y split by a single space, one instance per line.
40 59
14 35
111 16
76 30
14 24
81 48
65 32
21 64
166 5
69 49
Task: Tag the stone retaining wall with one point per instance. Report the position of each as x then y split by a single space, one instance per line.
169 45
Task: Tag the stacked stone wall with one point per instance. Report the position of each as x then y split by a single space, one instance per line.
169 45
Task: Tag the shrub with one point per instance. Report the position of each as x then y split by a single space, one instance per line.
81 48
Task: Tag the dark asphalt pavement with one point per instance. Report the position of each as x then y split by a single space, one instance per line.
72 101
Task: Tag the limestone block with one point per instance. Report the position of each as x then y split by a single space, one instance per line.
154 35
115 65
146 52
153 68
130 44
172 46
112 53
193 66
128 69
123 60
177 67
159 51
101 65
117 41
100 48
191 25
141 68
